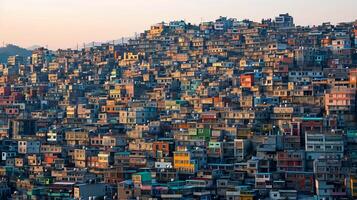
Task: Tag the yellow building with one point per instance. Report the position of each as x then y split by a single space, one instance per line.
156 30
52 78
104 160
183 162
80 157
129 58
353 186
35 58
71 111
53 66
77 137
246 196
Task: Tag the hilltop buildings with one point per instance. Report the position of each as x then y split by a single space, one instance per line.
226 109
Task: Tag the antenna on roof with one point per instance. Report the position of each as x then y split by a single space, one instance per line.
77 46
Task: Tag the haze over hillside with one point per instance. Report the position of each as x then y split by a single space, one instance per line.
12 50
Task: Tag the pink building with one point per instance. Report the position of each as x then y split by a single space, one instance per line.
340 100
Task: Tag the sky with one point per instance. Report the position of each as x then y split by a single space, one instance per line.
66 23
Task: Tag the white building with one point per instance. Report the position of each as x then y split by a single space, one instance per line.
319 145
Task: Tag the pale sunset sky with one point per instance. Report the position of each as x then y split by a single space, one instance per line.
64 23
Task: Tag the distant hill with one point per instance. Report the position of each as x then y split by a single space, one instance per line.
12 50
118 41
33 47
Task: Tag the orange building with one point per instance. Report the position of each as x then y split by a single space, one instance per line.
353 78
246 80
5 90
162 147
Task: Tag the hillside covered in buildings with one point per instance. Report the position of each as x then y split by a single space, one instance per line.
227 109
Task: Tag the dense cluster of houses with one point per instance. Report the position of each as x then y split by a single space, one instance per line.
226 109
